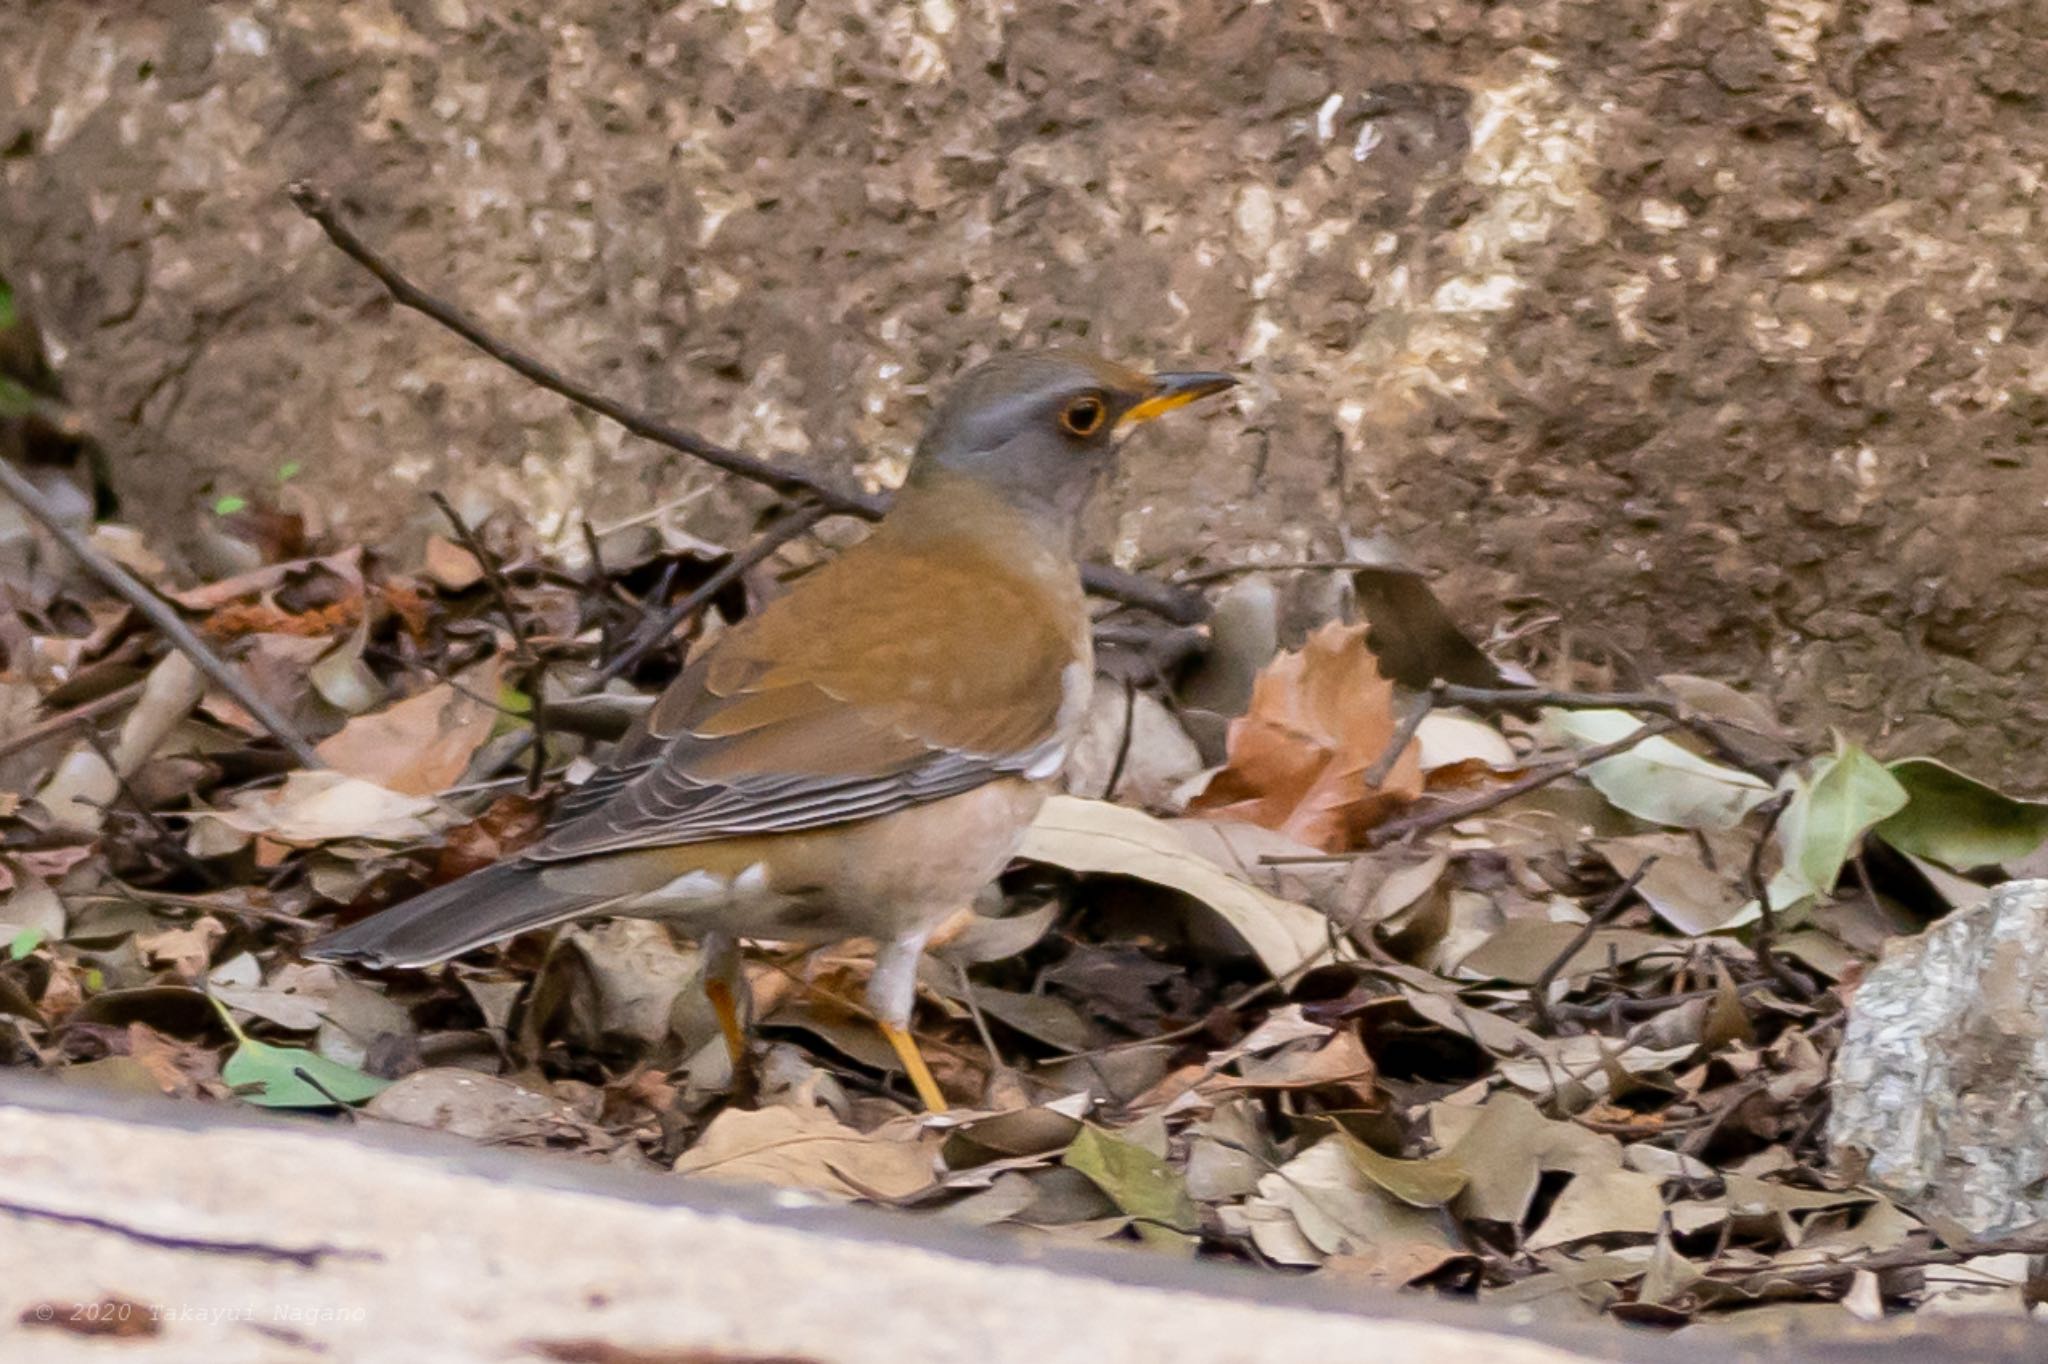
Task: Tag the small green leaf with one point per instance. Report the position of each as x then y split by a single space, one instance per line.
288 471
1831 811
8 313
290 1077
229 505
1958 821
25 942
1429 1183
15 401
1139 1183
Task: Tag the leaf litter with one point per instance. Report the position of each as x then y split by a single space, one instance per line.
1525 1048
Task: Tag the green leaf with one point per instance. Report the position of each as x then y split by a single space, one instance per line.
1428 1183
290 1077
9 314
229 505
25 942
1958 821
1139 1183
15 401
1830 812
1657 780
288 471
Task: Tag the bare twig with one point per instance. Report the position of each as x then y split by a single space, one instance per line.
68 720
315 204
1415 709
487 562
533 672
1222 571
1173 603
1708 731
174 846
1429 821
1539 993
1123 744
125 585
1766 945
661 626
2033 1241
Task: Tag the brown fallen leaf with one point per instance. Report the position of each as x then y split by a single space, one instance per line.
452 566
419 746
807 1148
1319 719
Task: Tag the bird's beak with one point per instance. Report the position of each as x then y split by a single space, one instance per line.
1174 390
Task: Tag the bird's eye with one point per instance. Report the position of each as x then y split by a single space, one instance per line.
1083 416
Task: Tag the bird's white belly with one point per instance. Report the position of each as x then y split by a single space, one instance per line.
701 901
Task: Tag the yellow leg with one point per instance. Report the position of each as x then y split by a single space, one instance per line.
727 1009
913 1065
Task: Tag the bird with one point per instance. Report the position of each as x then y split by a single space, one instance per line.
861 756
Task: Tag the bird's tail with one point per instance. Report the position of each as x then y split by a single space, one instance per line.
482 907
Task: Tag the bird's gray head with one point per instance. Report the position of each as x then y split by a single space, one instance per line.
1040 428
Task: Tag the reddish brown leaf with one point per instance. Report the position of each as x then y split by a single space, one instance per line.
1297 760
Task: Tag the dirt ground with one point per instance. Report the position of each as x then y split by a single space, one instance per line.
1721 329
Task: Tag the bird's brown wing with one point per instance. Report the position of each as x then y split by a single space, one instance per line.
858 694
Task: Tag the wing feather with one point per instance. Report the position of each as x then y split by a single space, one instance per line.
785 726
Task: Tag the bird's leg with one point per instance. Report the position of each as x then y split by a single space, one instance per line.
725 987
891 992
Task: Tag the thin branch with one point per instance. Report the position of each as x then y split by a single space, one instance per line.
1431 820
1708 731
487 563
1222 571
68 720
1163 599
316 204
532 672
1539 993
1766 944
125 585
2033 1241
1416 708
1123 743
174 846
661 626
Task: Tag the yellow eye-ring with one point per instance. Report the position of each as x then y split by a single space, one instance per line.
1083 416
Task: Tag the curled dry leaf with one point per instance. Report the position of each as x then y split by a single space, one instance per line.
1319 720
1096 837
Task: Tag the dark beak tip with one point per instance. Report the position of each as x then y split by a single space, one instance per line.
1193 383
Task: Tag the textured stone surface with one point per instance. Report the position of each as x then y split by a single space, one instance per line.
1721 328
1941 1083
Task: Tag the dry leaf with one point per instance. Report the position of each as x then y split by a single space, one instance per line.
421 745
1318 720
319 807
807 1148
452 566
1095 836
